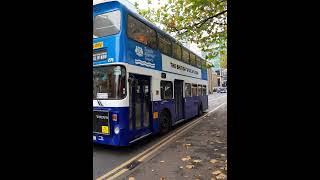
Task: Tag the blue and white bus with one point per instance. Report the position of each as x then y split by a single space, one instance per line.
144 81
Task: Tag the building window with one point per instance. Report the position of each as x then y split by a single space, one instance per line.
141 33
166 89
188 89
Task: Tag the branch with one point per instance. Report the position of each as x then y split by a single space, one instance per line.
220 23
211 17
200 24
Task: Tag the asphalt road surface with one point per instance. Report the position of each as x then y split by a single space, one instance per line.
106 158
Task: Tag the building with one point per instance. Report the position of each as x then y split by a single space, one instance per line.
224 77
221 77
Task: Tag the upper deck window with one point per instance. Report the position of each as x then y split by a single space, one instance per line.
106 24
141 33
164 45
176 50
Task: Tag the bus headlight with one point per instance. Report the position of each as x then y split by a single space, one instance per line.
116 130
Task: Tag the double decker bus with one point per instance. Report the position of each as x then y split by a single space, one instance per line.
144 81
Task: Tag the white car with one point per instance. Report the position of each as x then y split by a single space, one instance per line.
222 90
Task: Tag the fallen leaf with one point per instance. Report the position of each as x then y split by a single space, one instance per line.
213 161
196 160
162 161
189 166
131 178
187 144
221 176
216 172
187 158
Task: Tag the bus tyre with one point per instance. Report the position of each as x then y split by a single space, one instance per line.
164 122
200 111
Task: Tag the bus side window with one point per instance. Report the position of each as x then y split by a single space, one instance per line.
141 33
176 51
204 90
185 56
165 45
199 89
188 89
166 90
198 62
194 90
193 59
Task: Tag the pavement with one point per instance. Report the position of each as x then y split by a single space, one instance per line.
199 154
106 158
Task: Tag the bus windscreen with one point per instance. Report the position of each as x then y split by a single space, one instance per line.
106 24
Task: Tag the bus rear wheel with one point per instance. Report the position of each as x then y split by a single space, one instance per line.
200 111
164 122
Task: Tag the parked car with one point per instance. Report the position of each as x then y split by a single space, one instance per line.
222 90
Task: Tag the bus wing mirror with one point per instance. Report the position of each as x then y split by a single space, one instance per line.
130 79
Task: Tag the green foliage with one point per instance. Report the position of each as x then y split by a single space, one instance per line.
203 22
223 60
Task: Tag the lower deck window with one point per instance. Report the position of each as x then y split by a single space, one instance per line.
166 90
194 90
188 89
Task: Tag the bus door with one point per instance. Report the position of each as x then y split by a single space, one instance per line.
178 99
140 105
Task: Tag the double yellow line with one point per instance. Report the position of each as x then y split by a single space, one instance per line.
116 172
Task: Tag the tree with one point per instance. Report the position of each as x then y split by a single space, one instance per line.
203 22
223 60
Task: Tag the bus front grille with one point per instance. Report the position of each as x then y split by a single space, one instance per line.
101 122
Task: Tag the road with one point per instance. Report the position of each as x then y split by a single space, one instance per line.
106 158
